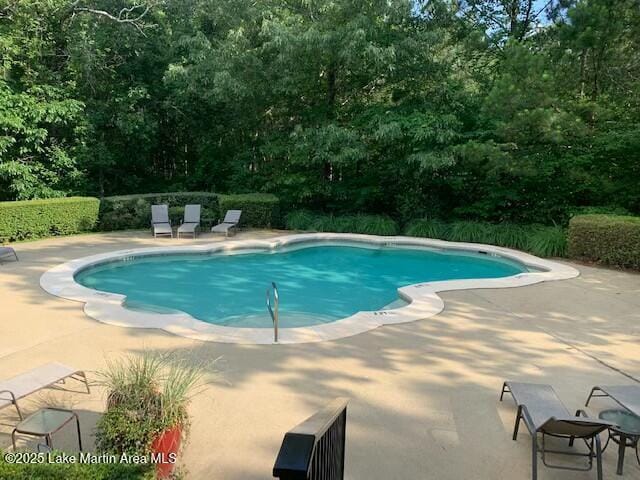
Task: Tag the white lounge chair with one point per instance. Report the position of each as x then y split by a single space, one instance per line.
191 221
160 222
231 220
44 376
8 252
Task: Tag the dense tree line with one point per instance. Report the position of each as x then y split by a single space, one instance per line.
516 110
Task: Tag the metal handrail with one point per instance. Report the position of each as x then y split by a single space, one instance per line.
273 311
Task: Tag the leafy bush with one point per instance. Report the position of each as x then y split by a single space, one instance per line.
548 242
44 218
367 224
258 209
299 220
511 235
537 239
607 239
134 211
429 228
74 471
475 232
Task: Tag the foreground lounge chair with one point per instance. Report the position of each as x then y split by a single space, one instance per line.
160 222
231 220
544 413
44 376
191 221
8 252
627 396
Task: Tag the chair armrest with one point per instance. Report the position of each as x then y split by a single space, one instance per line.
13 397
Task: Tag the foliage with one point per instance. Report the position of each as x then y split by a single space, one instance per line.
258 210
429 228
538 239
147 395
495 111
32 219
548 242
367 224
608 239
134 211
74 471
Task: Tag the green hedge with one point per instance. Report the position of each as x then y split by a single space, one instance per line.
368 224
126 212
259 210
75 471
32 219
538 239
134 211
607 239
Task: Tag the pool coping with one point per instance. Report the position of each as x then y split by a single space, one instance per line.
423 298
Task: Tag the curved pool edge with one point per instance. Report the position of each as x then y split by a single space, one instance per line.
423 298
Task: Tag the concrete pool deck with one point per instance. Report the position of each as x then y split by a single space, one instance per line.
424 395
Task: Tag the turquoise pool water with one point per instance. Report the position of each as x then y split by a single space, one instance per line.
317 284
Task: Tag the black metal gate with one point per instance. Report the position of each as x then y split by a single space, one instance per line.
314 450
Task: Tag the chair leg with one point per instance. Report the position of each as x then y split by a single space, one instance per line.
517 425
534 457
86 381
590 395
78 429
505 389
598 457
15 404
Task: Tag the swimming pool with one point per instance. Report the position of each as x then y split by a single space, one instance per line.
331 285
317 284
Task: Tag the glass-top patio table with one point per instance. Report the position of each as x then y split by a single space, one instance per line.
627 432
46 422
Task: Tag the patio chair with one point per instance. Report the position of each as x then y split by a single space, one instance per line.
627 396
544 413
44 376
8 252
191 221
231 220
160 222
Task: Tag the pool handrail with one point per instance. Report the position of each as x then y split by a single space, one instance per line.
273 311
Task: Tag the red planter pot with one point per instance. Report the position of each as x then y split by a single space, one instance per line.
165 450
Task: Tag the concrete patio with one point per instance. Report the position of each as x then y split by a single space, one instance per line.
424 395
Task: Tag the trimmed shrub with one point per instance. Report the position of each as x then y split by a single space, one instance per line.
537 239
607 239
74 471
601 210
126 212
259 210
32 219
367 224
